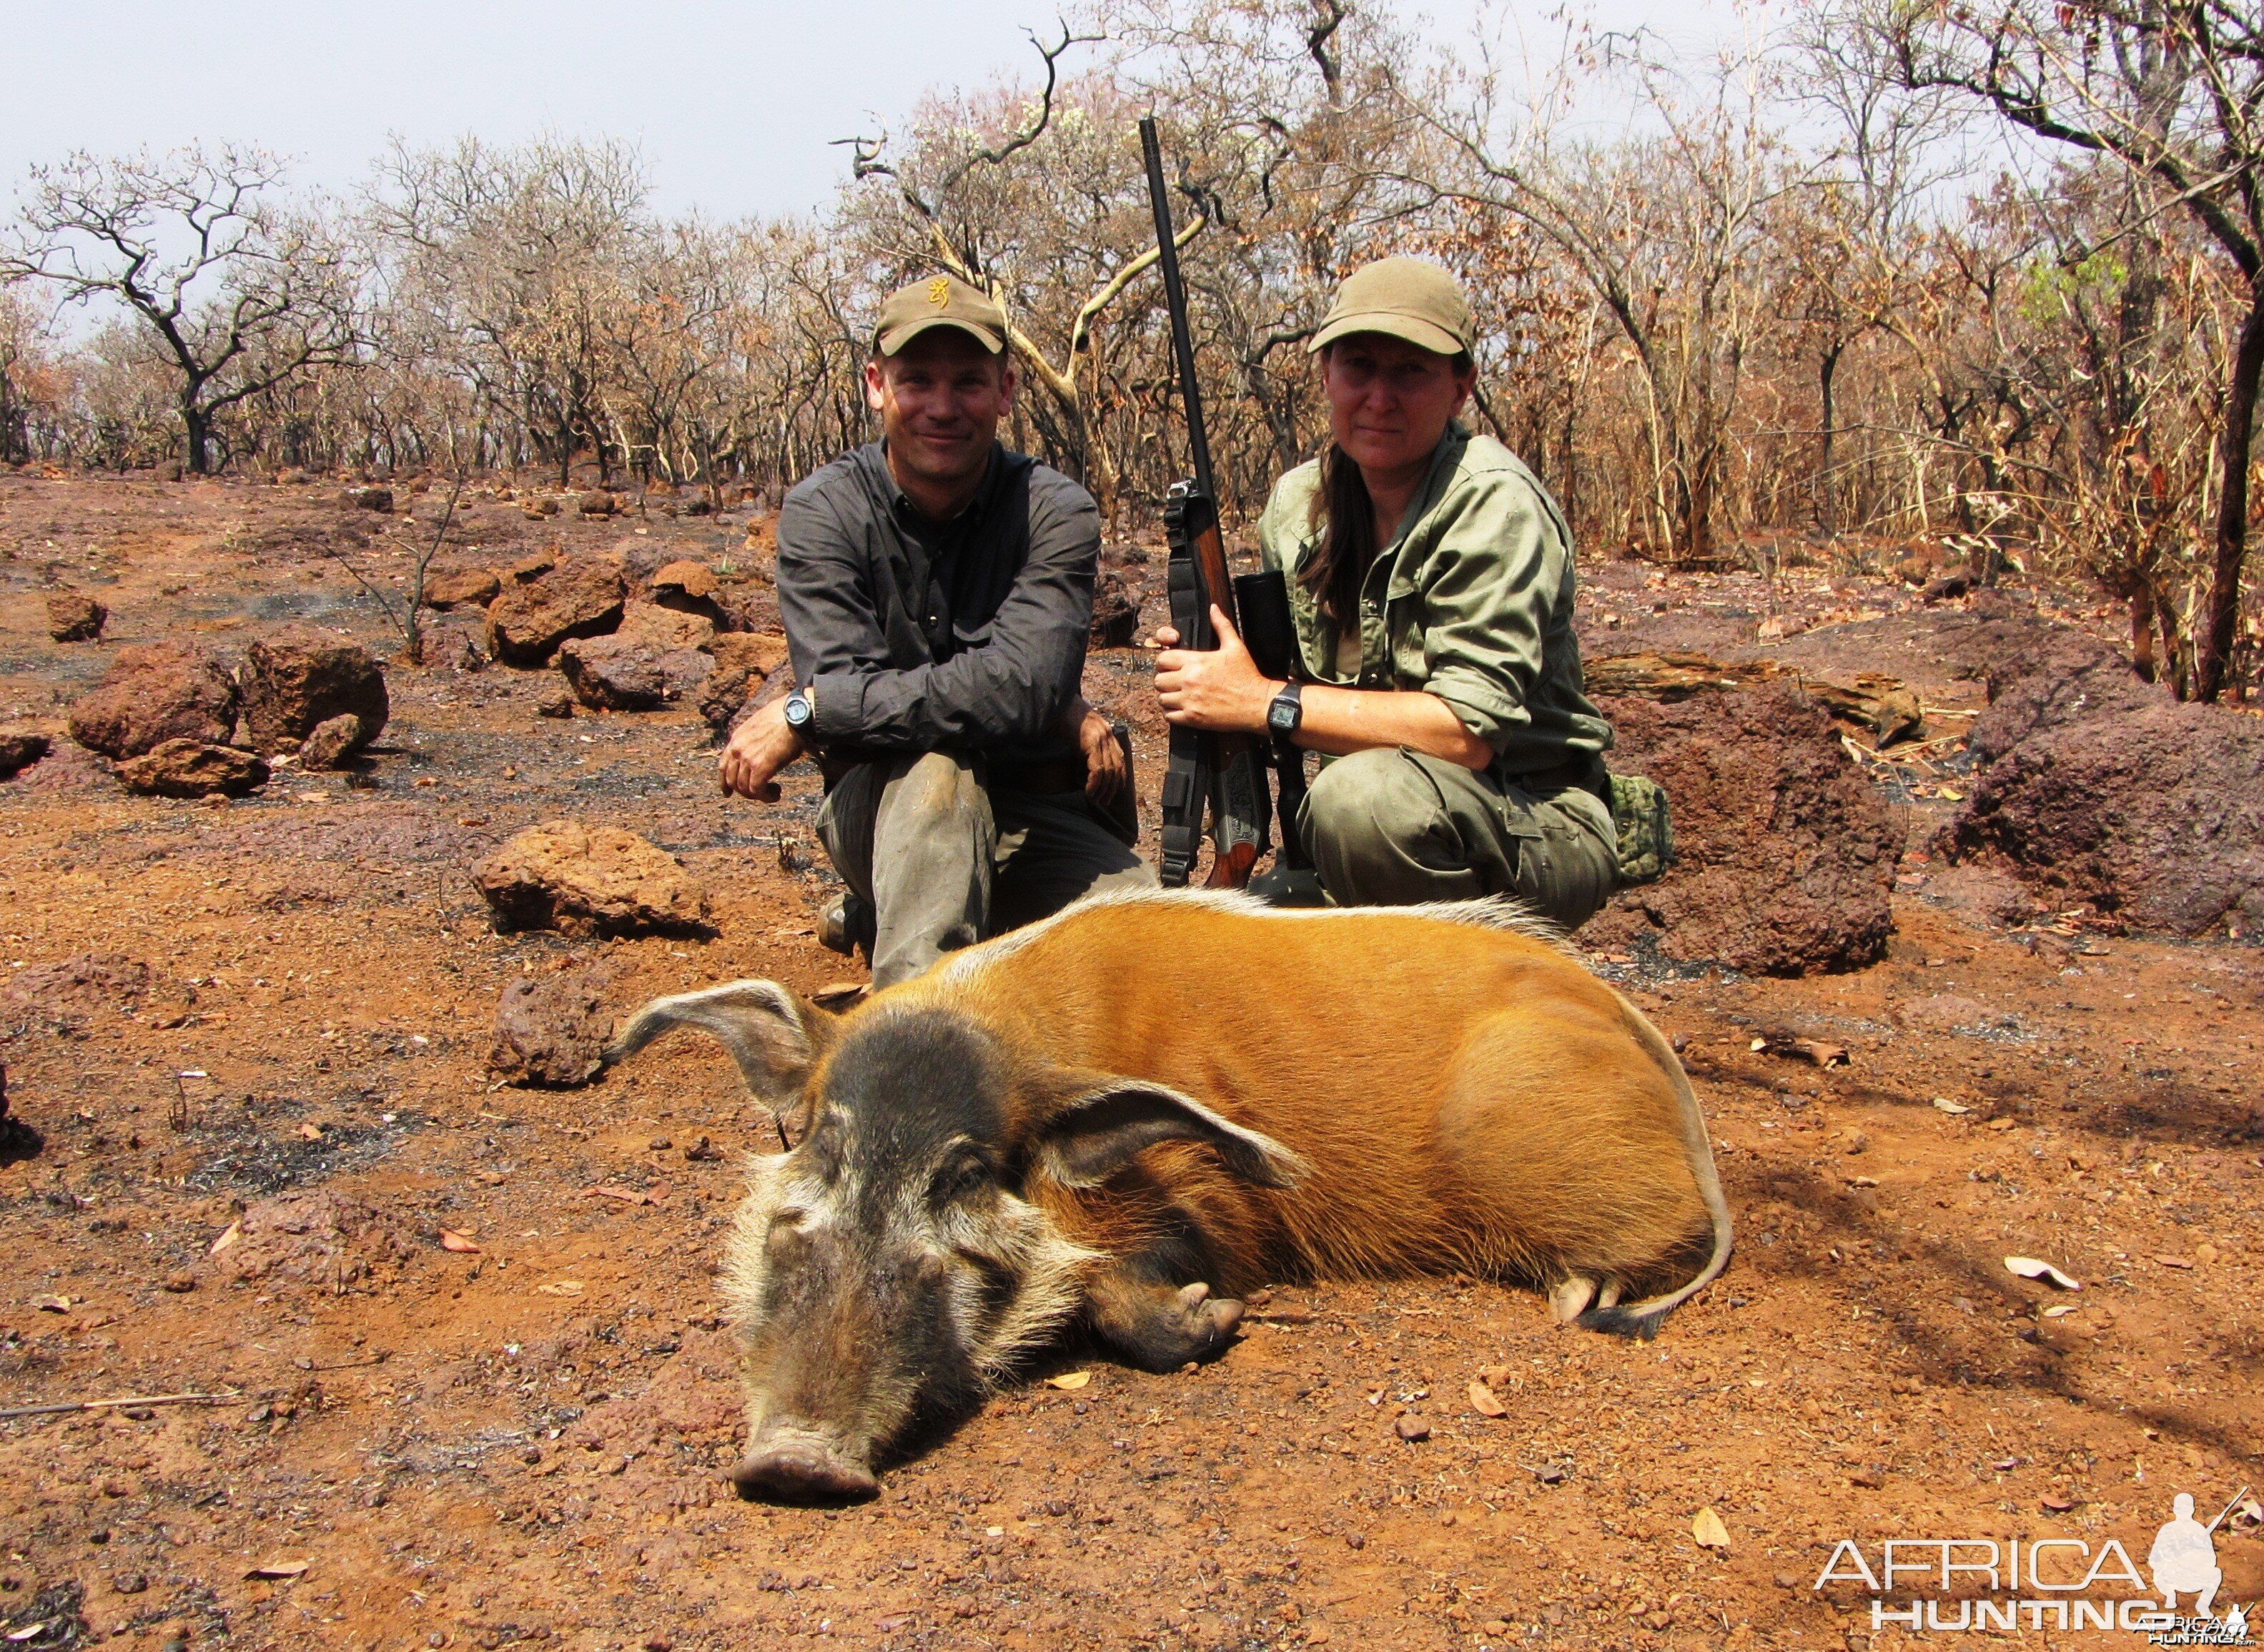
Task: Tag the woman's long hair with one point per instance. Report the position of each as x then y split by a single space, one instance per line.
1343 518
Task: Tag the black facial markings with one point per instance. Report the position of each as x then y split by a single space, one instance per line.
907 1087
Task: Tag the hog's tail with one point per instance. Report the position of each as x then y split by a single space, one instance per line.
1642 1320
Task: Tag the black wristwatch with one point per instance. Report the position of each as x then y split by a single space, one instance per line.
800 713
1286 710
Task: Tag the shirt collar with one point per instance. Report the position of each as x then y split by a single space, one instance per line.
1444 459
906 511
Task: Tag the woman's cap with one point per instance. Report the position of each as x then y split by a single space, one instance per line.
941 300
1412 299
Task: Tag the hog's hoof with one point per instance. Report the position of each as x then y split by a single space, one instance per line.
801 1471
1188 1323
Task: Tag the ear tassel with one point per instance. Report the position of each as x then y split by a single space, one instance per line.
766 1029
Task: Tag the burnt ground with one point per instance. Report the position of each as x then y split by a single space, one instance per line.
524 1443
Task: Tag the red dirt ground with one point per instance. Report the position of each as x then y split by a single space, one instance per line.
524 1443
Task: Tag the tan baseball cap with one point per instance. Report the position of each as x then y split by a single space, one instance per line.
941 300
1412 299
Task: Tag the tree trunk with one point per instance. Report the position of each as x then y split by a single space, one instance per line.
1694 504
197 425
1828 511
2141 630
2177 649
1568 468
2233 439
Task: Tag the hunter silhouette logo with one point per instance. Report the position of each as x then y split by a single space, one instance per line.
939 292
1956 1584
2183 1561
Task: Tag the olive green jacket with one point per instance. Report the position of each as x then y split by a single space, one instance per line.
1471 602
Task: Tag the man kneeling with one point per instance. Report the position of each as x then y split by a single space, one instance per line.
937 590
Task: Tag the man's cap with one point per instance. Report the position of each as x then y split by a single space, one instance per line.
1412 299
941 300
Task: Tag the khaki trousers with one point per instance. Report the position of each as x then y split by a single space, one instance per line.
1395 828
946 860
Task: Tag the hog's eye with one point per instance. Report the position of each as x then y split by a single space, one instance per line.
961 1177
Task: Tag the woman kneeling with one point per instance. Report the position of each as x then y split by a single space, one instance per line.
1432 583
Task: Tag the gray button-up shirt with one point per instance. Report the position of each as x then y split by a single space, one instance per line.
962 635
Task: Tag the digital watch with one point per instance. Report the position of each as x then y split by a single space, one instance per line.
1287 711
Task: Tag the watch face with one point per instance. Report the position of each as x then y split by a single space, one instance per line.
797 710
1282 715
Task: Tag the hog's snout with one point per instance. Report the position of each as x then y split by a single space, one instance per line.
798 1468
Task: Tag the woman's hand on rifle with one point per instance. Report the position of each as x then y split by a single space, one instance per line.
1223 690
1220 689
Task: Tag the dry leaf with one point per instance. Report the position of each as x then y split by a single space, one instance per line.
1709 1531
311 1133
2175 1262
1950 1106
451 1240
2030 1268
1862 1181
1485 1402
626 1195
229 1237
1070 1379
28 1631
278 1569
53 1304
559 1287
2059 1310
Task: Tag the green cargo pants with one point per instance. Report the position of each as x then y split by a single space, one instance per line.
945 859
1394 828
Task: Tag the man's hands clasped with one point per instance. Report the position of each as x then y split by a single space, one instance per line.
764 745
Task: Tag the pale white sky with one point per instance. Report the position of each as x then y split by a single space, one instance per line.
732 103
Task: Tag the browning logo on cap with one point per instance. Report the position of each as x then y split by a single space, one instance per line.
941 300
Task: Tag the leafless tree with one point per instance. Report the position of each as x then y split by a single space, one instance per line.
2173 95
241 292
1665 228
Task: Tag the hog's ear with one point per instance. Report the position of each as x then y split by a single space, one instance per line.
1102 1126
773 1034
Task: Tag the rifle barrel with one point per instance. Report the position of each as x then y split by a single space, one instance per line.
2228 1509
1175 299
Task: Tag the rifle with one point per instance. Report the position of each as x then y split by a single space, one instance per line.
1220 773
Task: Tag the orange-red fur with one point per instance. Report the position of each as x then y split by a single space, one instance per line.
1467 1096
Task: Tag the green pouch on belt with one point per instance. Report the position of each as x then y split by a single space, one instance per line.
1646 827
